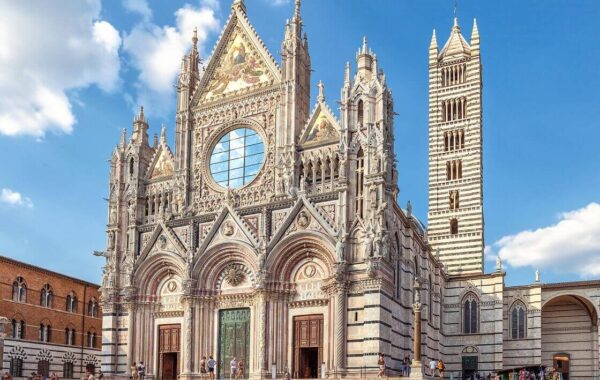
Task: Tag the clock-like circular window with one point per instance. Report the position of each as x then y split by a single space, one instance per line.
236 159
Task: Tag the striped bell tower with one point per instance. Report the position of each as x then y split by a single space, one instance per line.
455 218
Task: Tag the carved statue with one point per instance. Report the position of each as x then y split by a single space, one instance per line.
381 214
131 211
281 185
498 264
342 168
340 246
377 244
111 240
385 245
369 245
112 217
408 209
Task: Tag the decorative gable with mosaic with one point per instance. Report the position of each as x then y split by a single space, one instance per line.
240 67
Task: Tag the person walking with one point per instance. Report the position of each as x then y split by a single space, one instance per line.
441 367
381 364
432 367
233 368
211 367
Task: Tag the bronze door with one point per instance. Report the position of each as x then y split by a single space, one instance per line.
308 346
168 351
234 340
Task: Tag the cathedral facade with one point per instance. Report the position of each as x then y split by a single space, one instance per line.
271 232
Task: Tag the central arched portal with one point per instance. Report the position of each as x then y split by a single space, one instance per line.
570 336
234 340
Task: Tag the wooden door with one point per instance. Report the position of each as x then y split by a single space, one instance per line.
168 350
308 333
234 339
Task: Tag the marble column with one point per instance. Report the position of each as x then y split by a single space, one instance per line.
4 322
130 307
261 336
340 327
187 333
416 372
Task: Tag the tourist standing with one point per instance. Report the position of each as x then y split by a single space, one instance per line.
7 376
240 371
211 367
233 367
141 371
381 364
203 367
134 371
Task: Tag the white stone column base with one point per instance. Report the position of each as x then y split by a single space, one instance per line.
416 371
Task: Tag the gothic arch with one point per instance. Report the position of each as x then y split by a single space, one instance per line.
209 266
290 251
154 269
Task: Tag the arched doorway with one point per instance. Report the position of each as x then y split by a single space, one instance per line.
570 336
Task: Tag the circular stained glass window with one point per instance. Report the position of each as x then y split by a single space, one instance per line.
237 158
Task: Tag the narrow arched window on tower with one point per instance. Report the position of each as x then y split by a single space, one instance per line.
360 115
360 169
453 226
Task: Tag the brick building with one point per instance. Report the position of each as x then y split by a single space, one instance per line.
54 321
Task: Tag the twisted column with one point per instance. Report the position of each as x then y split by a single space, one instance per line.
340 327
187 335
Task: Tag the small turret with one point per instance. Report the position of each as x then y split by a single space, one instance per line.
364 60
140 128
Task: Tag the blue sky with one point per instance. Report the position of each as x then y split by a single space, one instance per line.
73 79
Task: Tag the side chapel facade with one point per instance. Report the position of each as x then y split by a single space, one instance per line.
271 233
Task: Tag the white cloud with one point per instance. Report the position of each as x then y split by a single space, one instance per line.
14 198
138 6
571 245
46 52
156 52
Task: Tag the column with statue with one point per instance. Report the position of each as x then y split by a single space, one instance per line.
416 371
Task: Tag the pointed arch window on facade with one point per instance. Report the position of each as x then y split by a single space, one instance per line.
46 296
71 303
93 308
360 113
45 332
19 290
470 314
18 329
518 321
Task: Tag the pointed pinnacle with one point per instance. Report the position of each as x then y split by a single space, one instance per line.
433 44
364 47
475 33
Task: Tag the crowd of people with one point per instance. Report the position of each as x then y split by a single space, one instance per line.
53 376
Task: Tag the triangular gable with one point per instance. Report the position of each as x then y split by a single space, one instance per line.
239 63
170 243
227 227
163 163
302 215
322 127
